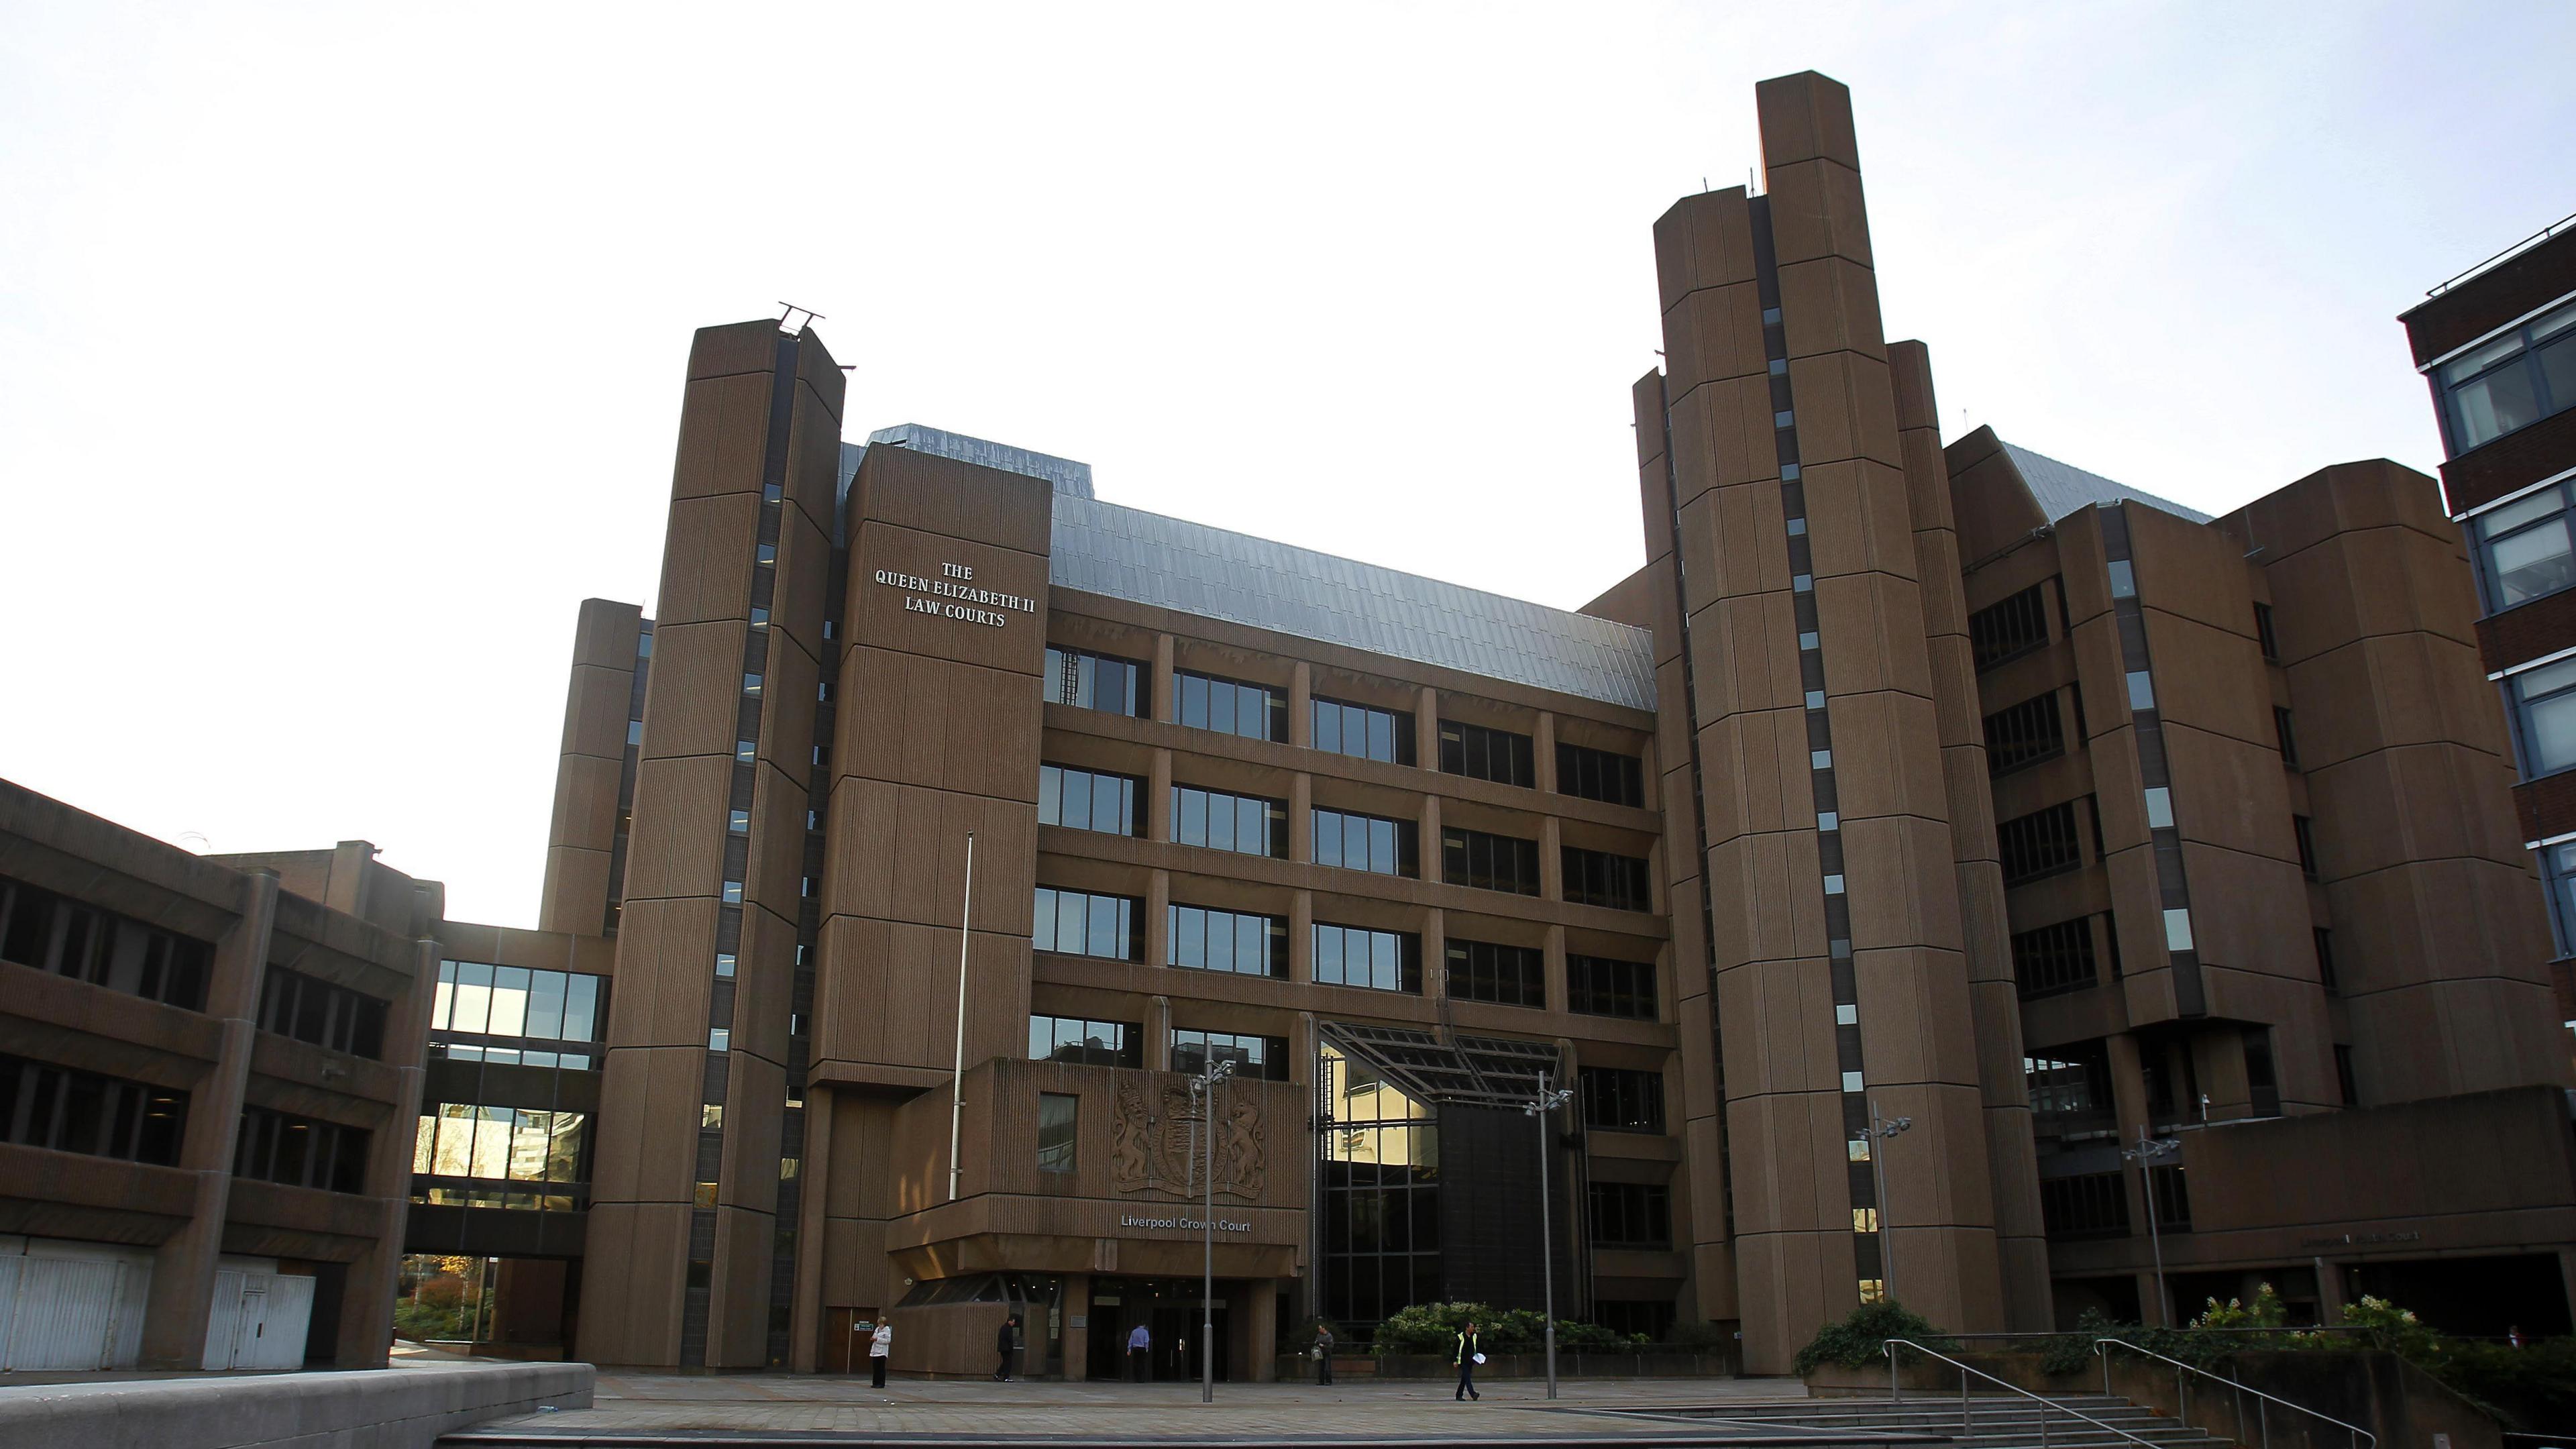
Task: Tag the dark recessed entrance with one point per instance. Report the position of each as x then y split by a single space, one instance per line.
1169 1310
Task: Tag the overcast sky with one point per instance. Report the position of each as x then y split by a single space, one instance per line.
341 347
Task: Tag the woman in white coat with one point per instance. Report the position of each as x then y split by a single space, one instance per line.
880 1348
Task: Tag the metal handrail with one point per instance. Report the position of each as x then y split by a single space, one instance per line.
1896 1394
2262 1418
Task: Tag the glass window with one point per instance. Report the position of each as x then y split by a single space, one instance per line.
1599 878
1364 732
1058 1114
2545 713
2511 382
1086 1043
1489 862
1377 960
1246 824
2558 863
2142 690
1488 971
1230 706
1079 923
1606 776
1088 799
1599 986
1621 1099
2009 629
1480 752
2159 808
1206 939
2124 579
1263 1057
1364 842
2523 549
1094 681
2178 930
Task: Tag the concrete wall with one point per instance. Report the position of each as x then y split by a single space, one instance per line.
378 1409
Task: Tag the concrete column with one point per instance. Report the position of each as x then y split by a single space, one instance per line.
183 1268
1162 681
1426 728
1158 1033
1430 845
1435 955
1077 1328
814 1175
1301 816
1301 935
1543 753
1301 704
1558 994
2330 1295
1158 797
1261 1330
367 1295
1158 918
1551 863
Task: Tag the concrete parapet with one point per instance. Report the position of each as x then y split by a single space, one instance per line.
398 1408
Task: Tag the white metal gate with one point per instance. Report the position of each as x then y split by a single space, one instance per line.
66 1314
259 1318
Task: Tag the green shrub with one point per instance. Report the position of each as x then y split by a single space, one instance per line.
1434 1327
1859 1341
1702 1336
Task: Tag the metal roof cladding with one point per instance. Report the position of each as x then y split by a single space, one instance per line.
1147 558
2062 488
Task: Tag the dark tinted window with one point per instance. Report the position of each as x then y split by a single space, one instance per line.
1482 753
1619 1099
2008 629
1598 878
1263 1057
1631 1215
2024 734
1489 862
53 933
2051 959
312 1010
1079 923
2043 842
1599 775
1486 971
301 1151
1599 986
69 1110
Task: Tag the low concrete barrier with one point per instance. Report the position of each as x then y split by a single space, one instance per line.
392 1408
1590 1364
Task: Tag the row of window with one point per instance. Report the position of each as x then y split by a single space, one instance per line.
1237 707
69 1110
515 1001
53 933
1620 1099
459 1139
324 1013
1203 938
298 1151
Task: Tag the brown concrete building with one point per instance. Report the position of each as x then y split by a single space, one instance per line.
2497 344
207 1075
1722 851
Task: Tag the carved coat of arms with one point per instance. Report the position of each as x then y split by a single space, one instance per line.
1156 1143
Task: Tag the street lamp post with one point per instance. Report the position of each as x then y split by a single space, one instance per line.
2145 1154
1203 1088
1537 1111
1879 1130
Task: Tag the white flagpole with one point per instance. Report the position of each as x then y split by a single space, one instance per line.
957 1079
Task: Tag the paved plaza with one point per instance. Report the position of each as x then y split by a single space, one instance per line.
632 1406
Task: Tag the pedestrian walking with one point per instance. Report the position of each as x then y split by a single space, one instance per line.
1323 1353
1006 1341
1470 1354
880 1348
1140 1353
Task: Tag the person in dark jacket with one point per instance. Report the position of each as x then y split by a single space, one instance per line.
1007 1341
1469 1351
1323 1353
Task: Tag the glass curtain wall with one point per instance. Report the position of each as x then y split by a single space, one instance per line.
1377 1191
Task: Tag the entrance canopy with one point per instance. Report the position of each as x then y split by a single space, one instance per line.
1487 1071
